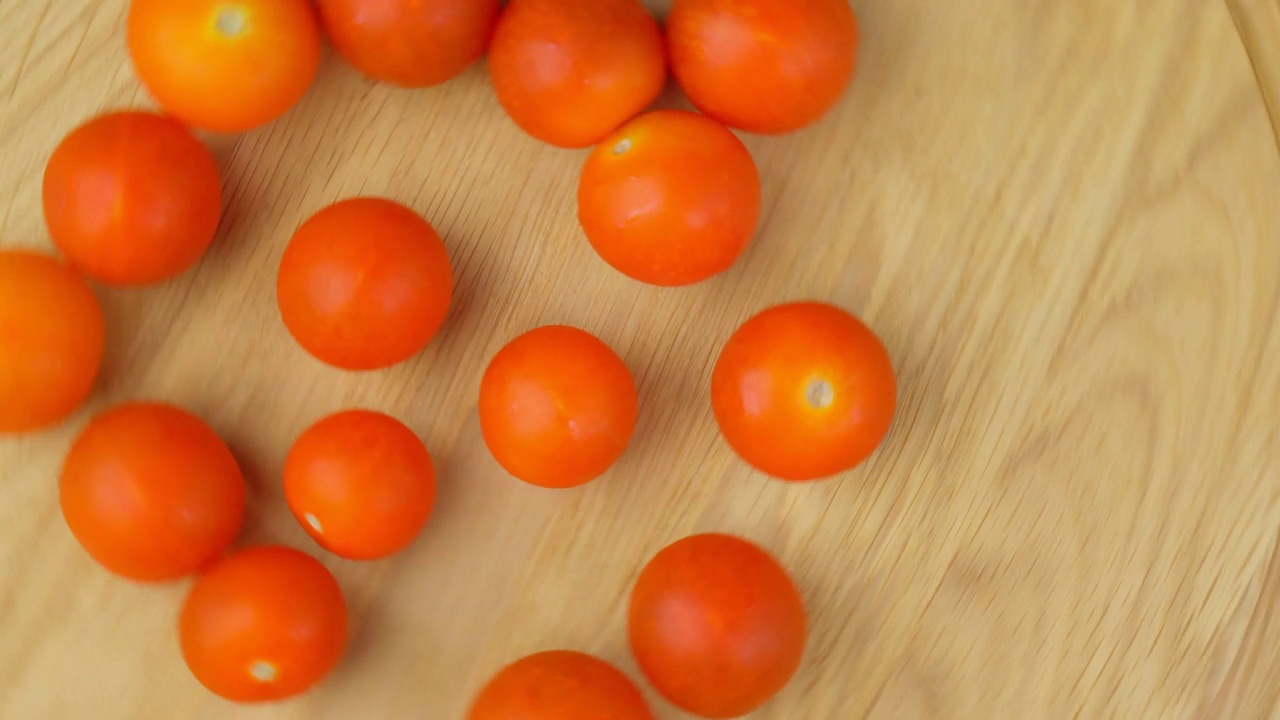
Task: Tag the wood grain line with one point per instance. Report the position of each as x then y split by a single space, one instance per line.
1258 25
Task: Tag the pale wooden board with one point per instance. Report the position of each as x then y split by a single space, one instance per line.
1062 217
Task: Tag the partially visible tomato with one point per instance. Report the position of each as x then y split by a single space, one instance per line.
765 66
132 198
264 624
569 72
672 198
559 685
411 43
717 626
51 340
225 65
151 492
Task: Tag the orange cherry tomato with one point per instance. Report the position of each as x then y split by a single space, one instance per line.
559 685
557 407
765 66
264 624
360 483
410 43
717 626
569 72
364 284
672 198
151 492
803 391
51 340
225 65
132 198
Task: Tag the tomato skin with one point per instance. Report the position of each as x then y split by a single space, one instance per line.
569 72
132 198
264 624
151 492
410 43
672 198
224 65
51 340
559 685
803 391
557 407
717 626
764 66
364 284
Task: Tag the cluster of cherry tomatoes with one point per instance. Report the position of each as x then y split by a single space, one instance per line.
801 391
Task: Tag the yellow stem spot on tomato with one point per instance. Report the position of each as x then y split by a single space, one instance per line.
623 146
263 671
819 394
230 21
314 522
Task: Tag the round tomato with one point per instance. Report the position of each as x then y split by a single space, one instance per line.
557 407
132 198
765 66
803 391
264 624
569 72
51 340
672 198
151 492
559 685
364 284
360 483
225 65
716 625
411 43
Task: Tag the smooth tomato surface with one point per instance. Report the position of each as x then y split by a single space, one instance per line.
264 624
559 685
151 492
569 72
225 65
132 198
671 198
717 625
803 391
765 66
557 407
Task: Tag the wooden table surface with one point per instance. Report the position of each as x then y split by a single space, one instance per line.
1062 217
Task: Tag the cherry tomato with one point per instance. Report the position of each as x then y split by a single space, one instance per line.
569 72
803 391
151 492
717 626
364 284
360 483
264 624
411 43
132 198
672 198
765 66
559 685
225 65
557 407
51 340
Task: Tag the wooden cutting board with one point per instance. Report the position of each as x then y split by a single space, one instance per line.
1062 217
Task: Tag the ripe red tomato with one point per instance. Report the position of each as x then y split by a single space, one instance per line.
364 284
132 198
151 492
803 391
224 65
411 43
559 685
557 407
569 72
765 66
360 483
672 198
717 626
264 624
51 340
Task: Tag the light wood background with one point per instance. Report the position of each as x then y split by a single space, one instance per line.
1062 217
